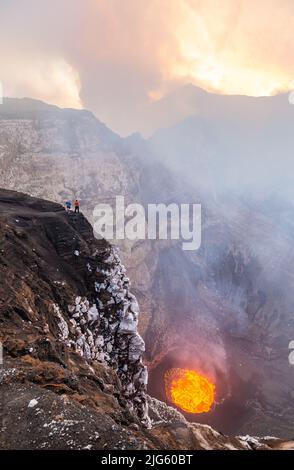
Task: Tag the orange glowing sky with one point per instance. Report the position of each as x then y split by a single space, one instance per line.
113 55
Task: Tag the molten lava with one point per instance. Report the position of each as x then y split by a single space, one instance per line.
189 390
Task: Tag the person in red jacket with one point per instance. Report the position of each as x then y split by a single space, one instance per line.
77 206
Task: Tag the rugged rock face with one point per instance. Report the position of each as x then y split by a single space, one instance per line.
58 280
73 376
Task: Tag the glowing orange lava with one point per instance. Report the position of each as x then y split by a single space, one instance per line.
189 390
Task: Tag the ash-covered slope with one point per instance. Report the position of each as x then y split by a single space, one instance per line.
72 375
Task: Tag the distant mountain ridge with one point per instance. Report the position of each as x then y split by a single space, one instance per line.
230 142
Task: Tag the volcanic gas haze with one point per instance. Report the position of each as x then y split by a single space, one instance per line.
108 55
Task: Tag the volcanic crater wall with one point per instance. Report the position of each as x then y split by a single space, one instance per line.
230 309
68 324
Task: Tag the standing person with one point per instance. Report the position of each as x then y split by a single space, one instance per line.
77 206
68 206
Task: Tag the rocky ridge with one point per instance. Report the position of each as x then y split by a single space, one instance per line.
97 321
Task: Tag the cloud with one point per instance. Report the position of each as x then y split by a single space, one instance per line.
33 60
233 48
52 80
117 57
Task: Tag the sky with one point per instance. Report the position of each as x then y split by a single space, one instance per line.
119 57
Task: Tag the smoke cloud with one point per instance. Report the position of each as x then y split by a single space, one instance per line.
118 58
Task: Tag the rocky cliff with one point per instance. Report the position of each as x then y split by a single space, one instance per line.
58 280
73 375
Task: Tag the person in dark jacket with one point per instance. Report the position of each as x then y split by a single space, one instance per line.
68 206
